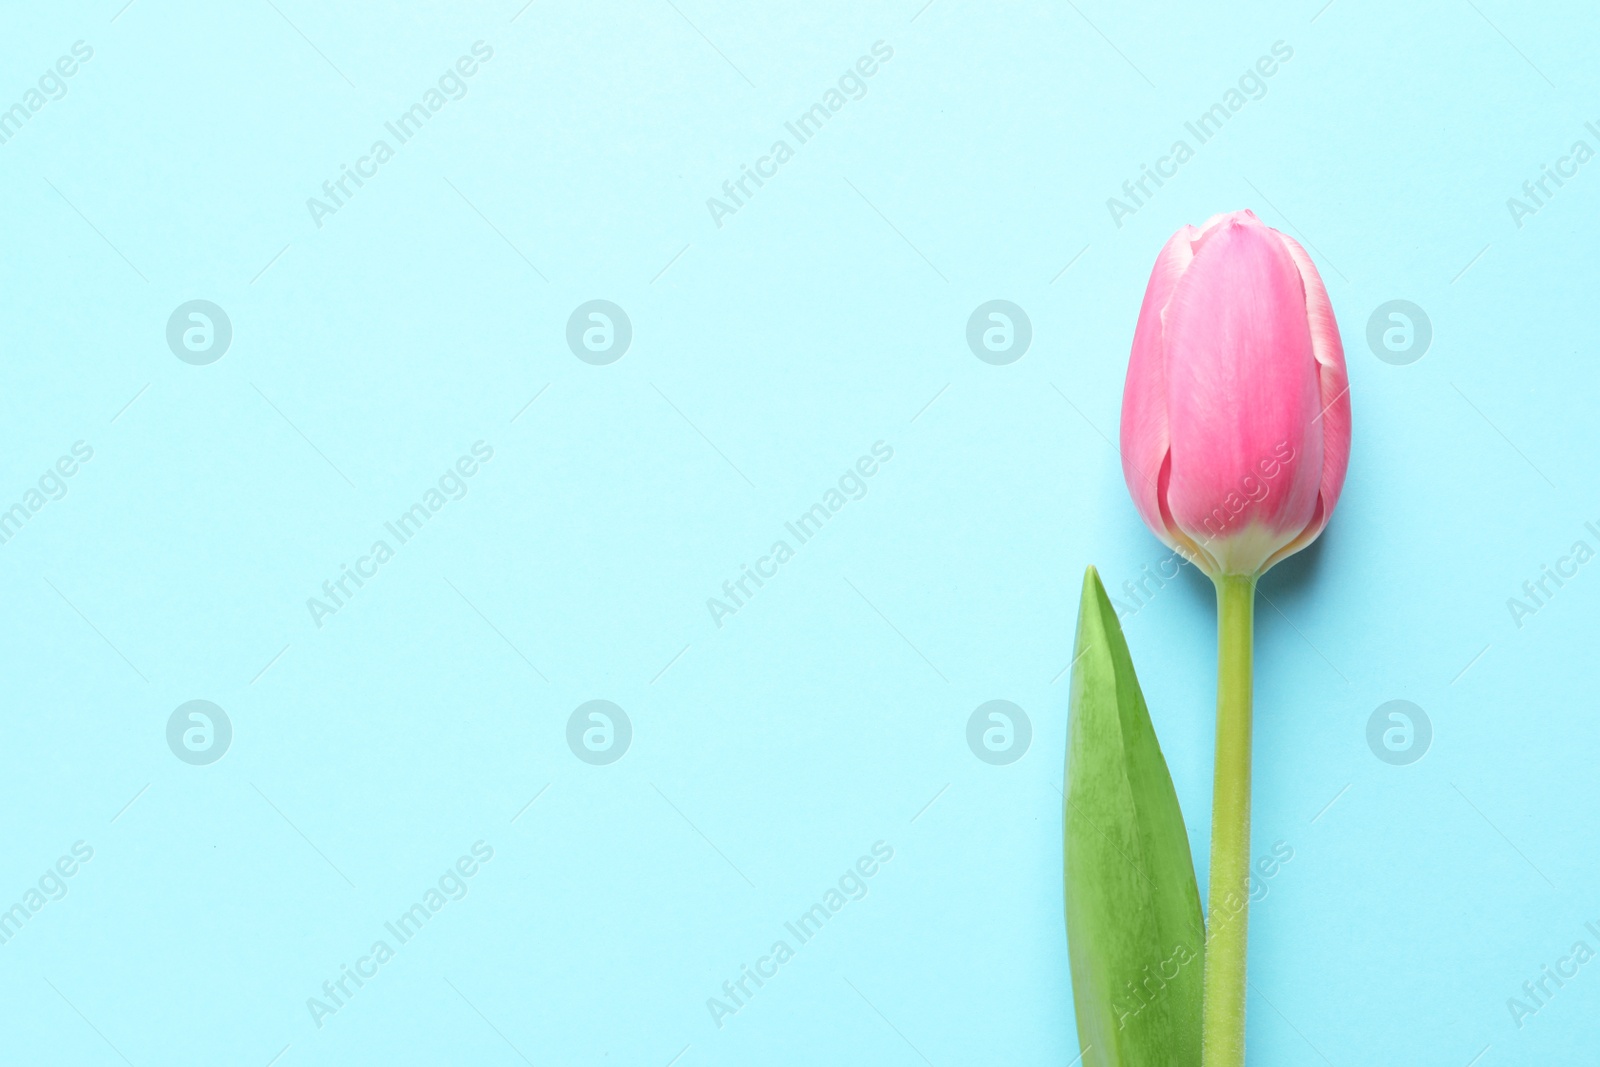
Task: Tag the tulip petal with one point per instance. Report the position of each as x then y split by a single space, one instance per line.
1334 381
1144 397
1242 391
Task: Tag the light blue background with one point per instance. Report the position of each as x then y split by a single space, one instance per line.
768 354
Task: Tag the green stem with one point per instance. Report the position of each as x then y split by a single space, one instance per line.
1222 1041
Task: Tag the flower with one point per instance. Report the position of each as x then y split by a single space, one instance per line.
1236 414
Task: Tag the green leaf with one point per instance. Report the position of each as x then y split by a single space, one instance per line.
1135 933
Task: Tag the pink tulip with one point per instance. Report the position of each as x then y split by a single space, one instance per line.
1236 415
1235 440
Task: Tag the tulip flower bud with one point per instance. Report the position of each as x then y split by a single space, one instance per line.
1236 414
